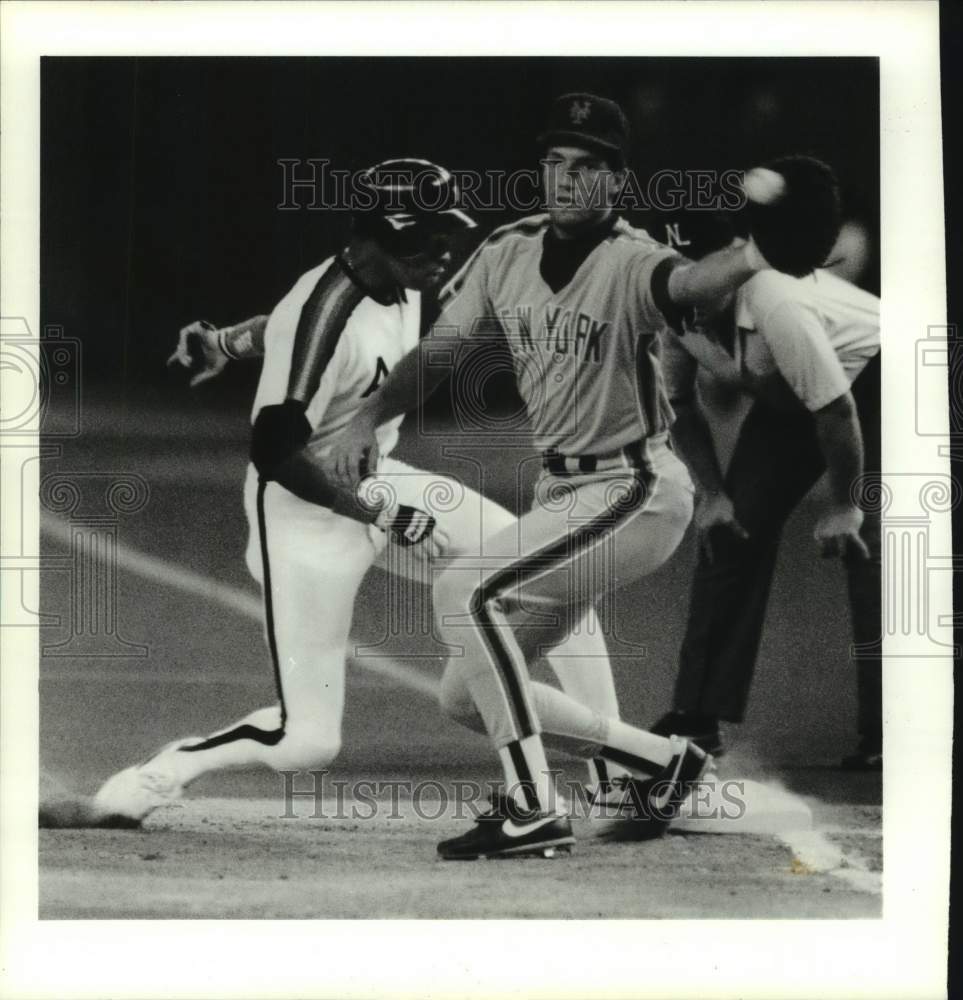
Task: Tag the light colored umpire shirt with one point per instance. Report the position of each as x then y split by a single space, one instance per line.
816 333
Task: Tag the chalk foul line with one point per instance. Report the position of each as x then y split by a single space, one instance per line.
233 599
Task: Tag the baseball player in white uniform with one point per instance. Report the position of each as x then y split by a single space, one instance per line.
581 297
327 345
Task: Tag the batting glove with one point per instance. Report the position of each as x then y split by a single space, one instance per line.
405 525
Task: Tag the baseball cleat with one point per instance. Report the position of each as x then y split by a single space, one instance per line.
643 808
132 794
610 809
506 830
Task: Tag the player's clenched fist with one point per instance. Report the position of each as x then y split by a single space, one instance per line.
403 524
406 525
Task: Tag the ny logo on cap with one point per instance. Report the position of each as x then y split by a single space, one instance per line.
579 111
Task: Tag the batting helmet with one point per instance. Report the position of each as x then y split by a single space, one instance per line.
404 203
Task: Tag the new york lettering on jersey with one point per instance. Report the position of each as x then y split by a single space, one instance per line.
559 332
586 354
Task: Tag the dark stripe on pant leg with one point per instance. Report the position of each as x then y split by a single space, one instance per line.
501 656
631 761
268 737
602 771
564 550
525 779
268 598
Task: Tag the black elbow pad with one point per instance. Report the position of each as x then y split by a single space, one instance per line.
279 432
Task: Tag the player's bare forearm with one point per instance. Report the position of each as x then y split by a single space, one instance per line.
282 452
691 434
304 476
704 282
204 350
244 339
841 443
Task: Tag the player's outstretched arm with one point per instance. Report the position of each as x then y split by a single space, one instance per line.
841 442
705 282
204 350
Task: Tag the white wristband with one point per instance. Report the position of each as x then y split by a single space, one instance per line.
222 344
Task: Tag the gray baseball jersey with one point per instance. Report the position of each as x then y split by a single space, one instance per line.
586 356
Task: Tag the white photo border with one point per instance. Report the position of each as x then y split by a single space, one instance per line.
901 955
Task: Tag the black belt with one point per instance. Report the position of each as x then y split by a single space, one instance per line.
632 456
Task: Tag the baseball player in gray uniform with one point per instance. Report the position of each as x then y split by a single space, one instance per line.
582 298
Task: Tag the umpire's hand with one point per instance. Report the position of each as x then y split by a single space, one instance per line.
837 533
715 510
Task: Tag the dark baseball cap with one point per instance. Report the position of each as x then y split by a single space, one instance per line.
587 120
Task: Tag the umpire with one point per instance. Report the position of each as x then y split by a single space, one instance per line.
807 350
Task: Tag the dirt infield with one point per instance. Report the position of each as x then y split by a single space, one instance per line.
236 858
193 660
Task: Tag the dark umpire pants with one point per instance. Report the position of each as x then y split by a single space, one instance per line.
775 463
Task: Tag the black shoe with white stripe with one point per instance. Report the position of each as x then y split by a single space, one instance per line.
506 830
651 804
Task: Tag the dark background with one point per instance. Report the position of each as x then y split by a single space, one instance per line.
160 181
